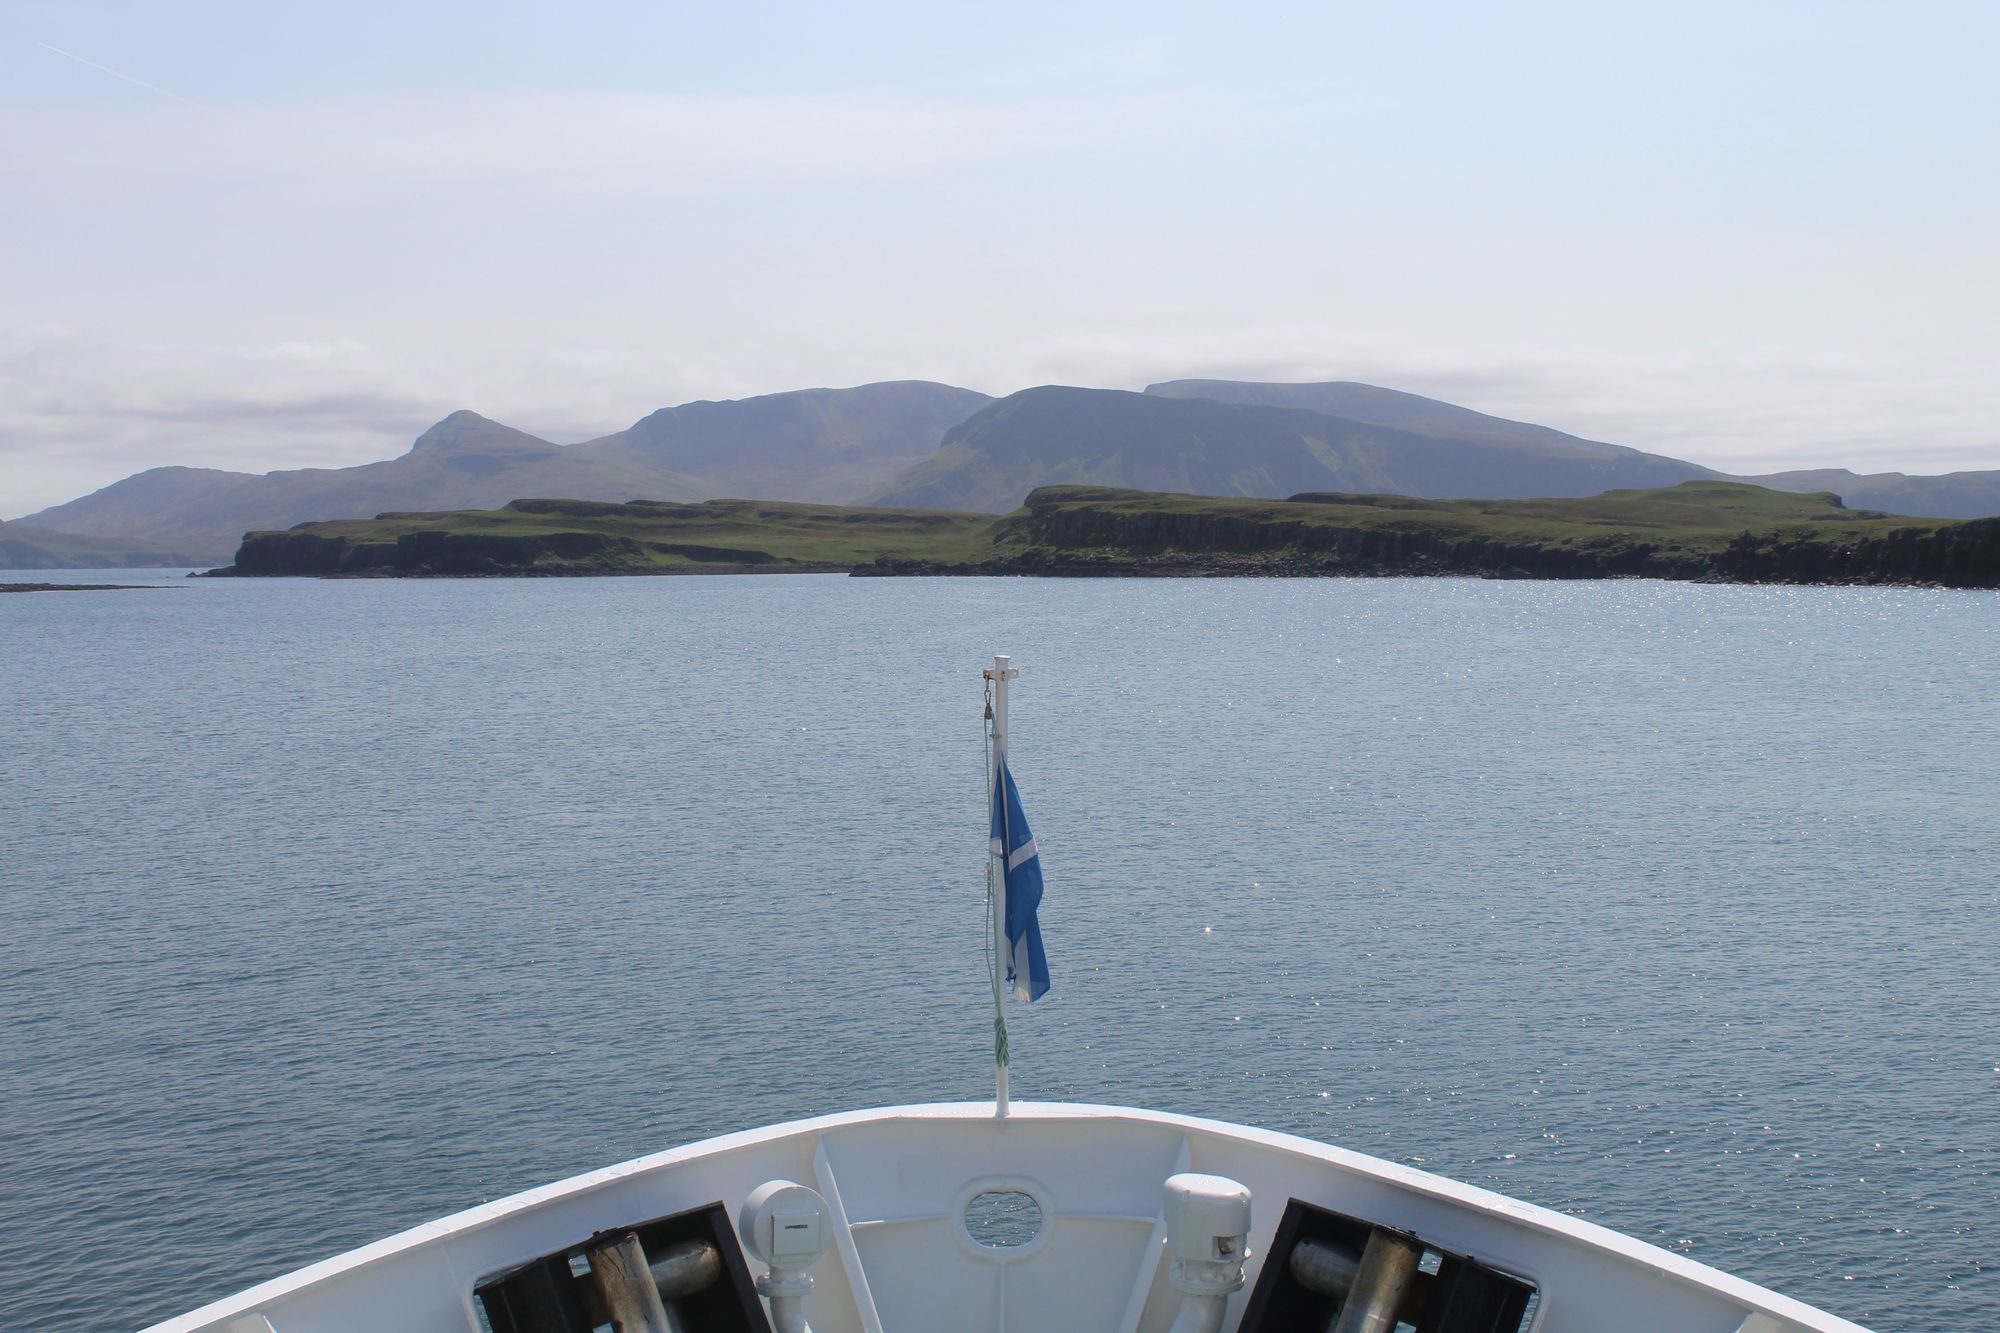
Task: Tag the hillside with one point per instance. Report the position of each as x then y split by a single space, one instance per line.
1951 495
1723 531
820 446
913 443
25 546
1166 440
814 444
1418 415
595 537
464 461
1709 530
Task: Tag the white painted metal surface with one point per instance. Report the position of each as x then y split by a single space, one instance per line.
783 1225
998 675
1208 1238
901 1260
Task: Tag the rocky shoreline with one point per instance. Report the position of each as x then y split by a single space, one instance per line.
1284 566
1096 543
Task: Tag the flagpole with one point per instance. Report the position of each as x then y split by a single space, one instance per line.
996 877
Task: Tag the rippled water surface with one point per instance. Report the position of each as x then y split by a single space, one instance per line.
331 907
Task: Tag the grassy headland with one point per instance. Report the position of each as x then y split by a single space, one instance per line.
1714 530
599 537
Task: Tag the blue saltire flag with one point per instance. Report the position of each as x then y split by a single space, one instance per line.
1014 843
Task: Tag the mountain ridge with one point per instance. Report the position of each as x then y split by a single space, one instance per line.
825 445
1398 409
30 546
465 460
469 461
1967 494
922 442
1055 434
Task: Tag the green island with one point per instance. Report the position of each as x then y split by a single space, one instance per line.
1716 531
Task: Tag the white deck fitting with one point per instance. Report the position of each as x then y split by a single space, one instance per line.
897 1181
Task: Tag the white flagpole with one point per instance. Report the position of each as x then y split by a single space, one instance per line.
1000 674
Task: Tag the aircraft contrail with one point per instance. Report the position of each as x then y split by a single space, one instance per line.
106 69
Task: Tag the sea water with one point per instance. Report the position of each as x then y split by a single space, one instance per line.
330 907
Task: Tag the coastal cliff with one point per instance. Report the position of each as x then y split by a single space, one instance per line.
1811 539
578 537
462 554
1715 531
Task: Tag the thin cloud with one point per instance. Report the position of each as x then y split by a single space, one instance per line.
119 74
618 143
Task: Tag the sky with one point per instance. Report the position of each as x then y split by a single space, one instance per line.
1756 234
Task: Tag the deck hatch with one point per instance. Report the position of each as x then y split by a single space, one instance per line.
1316 1250
554 1294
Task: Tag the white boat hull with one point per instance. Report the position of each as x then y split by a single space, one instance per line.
897 1181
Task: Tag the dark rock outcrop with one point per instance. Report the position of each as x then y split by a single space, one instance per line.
1964 555
1068 537
309 554
1331 548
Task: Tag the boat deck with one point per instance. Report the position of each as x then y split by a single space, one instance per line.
902 1260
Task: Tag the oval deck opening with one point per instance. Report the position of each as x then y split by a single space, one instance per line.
1003 1219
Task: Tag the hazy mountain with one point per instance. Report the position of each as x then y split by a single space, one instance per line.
815 444
465 461
1164 441
25 546
821 446
1428 416
1951 495
916 443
